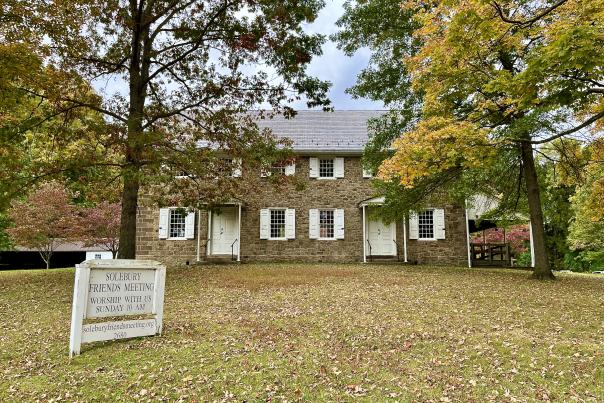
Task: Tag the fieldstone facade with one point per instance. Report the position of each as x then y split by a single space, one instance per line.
343 193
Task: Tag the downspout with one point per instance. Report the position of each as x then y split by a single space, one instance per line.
532 245
209 242
405 240
364 237
468 237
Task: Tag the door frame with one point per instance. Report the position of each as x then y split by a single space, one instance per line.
210 244
377 202
392 226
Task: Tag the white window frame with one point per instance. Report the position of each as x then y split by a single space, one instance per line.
333 168
270 224
333 211
184 216
419 238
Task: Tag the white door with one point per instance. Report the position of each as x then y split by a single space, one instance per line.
224 231
381 238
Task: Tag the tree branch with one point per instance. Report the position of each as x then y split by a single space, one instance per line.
530 21
197 44
566 132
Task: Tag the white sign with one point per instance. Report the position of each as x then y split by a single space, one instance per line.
115 288
117 292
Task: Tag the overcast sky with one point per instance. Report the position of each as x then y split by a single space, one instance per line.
333 66
336 67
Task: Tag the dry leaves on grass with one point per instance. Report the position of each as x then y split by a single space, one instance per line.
318 332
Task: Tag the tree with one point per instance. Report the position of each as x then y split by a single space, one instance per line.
191 70
498 80
586 232
100 226
43 218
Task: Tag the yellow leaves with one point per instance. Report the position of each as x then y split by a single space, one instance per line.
435 146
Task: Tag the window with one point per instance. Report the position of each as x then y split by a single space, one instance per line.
277 170
426 224
277 224
230 167
176 224
326 224
97 255
326 168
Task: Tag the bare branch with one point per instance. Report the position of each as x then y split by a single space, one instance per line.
567 132
530 21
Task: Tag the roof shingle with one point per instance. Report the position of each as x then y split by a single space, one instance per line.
318 131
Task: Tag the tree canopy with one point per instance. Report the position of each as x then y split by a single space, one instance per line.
497 79
190 70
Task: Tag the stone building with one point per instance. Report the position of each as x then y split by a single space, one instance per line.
328 219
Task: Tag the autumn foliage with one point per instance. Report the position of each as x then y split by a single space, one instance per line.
45 218
100 226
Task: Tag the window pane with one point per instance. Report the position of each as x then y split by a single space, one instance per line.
326 168
326 224
426 224
177 224
277 223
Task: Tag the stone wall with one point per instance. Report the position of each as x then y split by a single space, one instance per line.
452 250
345 193
170 252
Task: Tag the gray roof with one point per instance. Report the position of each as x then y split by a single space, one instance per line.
318 131
64 246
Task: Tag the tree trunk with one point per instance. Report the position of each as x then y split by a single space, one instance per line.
46 258
127 248
135 143
542 269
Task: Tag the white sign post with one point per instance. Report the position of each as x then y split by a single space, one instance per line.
110 288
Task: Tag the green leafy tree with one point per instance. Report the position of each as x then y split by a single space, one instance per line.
190 69
586 232
497 80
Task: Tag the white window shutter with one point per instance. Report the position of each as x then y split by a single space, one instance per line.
237 167
290 223
339 224
314 167
290 169
164 214
439 223
367 173
313 224
190 225
338 167
413 225
265 223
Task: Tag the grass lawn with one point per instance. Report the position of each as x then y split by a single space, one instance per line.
318 332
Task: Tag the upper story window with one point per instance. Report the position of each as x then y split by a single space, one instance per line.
277 224
176 224
277 170
426 224
230 167
326 168
98 256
